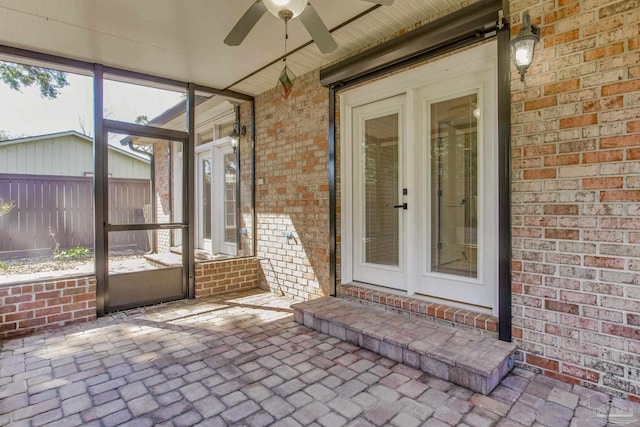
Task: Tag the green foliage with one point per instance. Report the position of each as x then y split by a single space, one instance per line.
142 119
75 253
49 81
5 208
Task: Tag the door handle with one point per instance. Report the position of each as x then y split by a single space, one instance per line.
403 206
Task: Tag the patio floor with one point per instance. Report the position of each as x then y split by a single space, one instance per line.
241 360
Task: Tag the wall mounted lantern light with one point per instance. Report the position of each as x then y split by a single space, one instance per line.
523 45
236 134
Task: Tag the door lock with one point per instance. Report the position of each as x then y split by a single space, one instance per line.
403 206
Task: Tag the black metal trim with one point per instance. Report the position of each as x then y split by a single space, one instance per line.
145 131
188 199
254 226
333 229
236 155
100 192
416 45
504 185
145 226
226 93
45 57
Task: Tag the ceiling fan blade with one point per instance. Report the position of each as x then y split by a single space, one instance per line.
318 31
245 24
382 2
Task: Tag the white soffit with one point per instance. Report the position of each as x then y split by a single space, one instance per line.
183 39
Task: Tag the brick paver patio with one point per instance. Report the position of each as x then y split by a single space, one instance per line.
241 360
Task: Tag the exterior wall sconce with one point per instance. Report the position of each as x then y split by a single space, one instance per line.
237 133
523 45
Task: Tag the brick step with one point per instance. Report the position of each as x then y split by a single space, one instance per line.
464 357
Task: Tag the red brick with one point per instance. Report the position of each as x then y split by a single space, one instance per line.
617 8
561 87
598 183
547 173
581 373
21 315
542 362
7 309
603 156
633 154
578 121
561 234
604 51
613 103
557 15
539 150
47 311
633 126
561 307
620 141
561 210
603 25
620 196
621 331
621 87
540 103
565 159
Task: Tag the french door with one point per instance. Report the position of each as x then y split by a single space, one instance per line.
424 187
216 193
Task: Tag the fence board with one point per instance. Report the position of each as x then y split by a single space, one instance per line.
63 205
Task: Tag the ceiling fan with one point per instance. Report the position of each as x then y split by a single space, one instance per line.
286 10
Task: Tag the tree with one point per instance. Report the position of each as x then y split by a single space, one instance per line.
142 119
17 75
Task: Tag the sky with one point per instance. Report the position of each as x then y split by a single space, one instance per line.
26 113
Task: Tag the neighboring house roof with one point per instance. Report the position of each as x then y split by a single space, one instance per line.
167 116
70 133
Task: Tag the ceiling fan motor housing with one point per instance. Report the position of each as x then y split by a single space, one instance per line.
285 9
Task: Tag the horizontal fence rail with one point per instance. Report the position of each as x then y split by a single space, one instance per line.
49 212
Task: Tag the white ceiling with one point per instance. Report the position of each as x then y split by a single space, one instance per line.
183 39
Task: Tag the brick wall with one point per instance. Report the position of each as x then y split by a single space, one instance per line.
26 308
576 188
218 277
292 192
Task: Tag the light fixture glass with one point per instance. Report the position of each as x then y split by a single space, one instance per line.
285 9
234 136
524 44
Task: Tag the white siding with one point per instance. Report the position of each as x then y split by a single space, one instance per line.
65 155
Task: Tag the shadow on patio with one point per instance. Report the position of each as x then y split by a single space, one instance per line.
240 359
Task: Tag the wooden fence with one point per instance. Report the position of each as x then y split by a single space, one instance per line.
59 209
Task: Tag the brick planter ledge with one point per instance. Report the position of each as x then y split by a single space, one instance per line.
462 356
420 308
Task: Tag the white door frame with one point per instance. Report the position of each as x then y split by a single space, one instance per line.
382 275
406 83
217 150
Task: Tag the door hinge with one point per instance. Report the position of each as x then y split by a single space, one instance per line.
439 245
500 23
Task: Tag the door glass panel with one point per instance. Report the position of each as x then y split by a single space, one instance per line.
230 232
205 210
131 251
145 181
454 186
382 228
